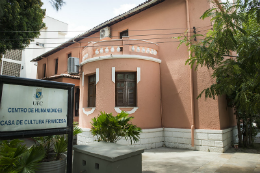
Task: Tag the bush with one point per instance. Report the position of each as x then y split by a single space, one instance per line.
111 128
17 158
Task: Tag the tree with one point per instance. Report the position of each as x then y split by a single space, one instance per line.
57 4
21 21
231 49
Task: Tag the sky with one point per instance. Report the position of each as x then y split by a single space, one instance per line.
82 15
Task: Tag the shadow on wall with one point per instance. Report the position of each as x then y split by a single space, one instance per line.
173 110
227 117
203 107
209 113
196 93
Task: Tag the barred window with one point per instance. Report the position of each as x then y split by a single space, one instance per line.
56 65
92 91
126 89
44 70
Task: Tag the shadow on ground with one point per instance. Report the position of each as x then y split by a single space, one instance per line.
168 160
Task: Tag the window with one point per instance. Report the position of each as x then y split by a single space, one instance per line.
92 91
40 44
126 89
123 33
69 55
44 70
77 94
56 66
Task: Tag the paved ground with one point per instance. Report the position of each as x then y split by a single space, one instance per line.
167 160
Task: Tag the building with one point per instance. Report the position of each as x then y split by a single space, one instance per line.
131 63
17 62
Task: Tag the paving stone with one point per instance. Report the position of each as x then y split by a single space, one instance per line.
169 160
257 170
230 168
210 167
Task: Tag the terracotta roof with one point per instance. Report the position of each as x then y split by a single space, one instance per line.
147 4
60 76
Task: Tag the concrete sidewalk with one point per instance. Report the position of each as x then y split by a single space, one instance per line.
168 160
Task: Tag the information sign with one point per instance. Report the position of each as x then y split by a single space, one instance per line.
30 108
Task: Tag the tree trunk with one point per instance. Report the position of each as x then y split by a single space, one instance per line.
246 130
251 132
239 131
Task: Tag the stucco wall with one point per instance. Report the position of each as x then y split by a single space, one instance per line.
157 24
76 83
148 91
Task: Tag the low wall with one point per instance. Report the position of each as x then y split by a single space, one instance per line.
205 140
149 138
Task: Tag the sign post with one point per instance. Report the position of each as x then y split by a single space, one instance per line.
30 108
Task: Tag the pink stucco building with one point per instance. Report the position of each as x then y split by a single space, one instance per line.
132 63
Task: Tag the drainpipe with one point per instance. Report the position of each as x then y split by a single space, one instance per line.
79 48
46 72
191 79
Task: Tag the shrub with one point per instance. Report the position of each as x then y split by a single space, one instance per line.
111 128
17 158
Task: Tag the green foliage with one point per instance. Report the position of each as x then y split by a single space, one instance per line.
22 15
17 16
46 142
57 144
76 129
57 4
60 145
111 128
30 160
16 158
235 31
2 2
257 121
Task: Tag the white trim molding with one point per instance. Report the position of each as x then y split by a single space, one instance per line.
2 66
120 57
82 79
113 74
138 74
10 60
88 112
97 75
118 110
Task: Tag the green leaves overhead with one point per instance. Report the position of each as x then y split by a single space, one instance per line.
20 16
57 4
231 49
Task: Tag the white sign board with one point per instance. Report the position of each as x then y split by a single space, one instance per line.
29 108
